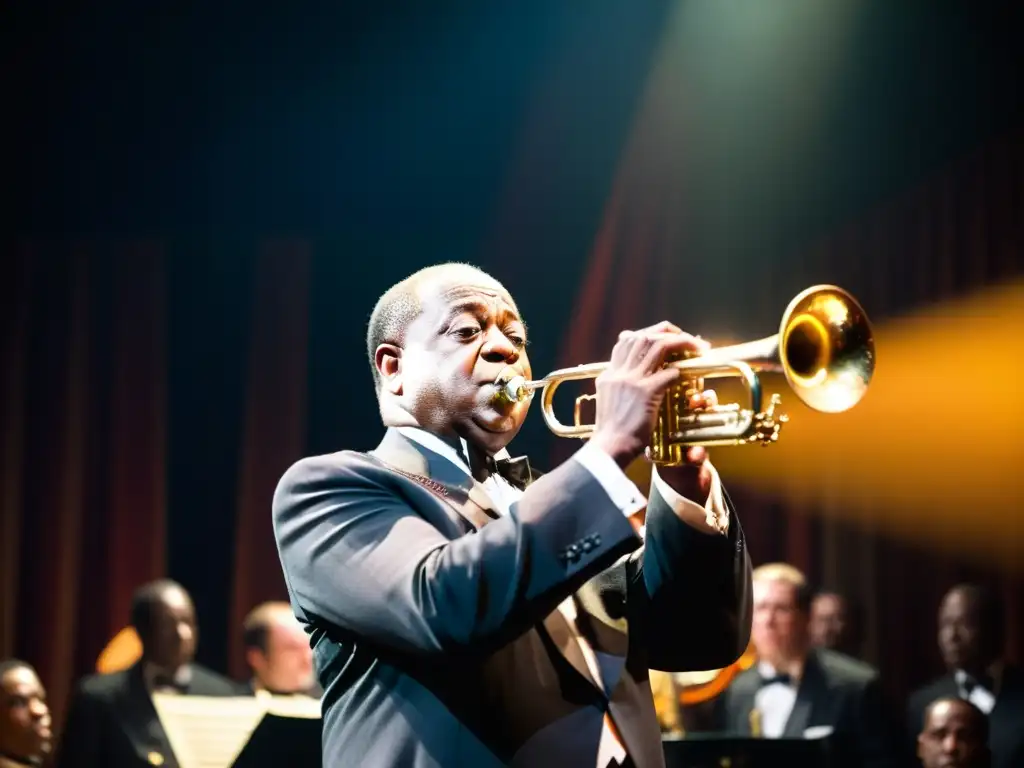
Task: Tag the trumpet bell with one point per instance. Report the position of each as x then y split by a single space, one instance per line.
826 348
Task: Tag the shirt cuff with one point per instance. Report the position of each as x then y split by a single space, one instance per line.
712 517
620 489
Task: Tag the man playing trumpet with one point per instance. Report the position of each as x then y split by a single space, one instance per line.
466 611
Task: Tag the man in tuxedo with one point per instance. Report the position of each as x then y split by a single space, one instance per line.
112 721
278 653
970 637
954 735
465 611
25 735
796 691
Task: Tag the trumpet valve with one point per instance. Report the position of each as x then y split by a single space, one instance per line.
768 424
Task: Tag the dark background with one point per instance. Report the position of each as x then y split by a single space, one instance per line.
206 202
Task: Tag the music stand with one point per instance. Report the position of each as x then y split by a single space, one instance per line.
714 750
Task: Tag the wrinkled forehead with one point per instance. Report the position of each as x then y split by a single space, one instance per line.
441 295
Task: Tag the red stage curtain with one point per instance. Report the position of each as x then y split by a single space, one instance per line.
83 449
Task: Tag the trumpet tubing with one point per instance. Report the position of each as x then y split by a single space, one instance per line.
824 347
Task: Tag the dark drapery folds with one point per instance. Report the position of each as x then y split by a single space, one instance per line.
83 449
893 549
273 428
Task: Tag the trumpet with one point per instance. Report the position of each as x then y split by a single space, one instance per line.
824 348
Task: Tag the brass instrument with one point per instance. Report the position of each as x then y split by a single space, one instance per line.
824 347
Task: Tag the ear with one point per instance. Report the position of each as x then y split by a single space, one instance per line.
253 658
388 359
920 746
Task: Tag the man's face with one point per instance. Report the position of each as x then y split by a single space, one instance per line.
828 621
24 715
960 635
951 737
779 627
466 334
170 642
287 665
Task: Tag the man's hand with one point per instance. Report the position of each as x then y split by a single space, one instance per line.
692 479
631 389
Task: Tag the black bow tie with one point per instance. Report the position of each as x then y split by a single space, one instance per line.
516 471
779 678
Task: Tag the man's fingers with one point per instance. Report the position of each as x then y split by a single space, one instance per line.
667 344
706 399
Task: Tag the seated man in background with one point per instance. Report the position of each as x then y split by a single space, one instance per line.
277 652
112 721
835 624
796 691
971 634
954 735
24 716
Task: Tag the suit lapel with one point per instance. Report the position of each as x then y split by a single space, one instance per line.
741 700
141 722
472 504
437 474
811 690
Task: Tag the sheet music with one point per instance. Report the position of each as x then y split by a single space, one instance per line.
210 732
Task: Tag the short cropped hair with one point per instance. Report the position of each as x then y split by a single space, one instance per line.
145 601
256 627
788 574
400 305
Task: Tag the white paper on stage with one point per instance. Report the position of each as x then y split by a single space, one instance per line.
210 731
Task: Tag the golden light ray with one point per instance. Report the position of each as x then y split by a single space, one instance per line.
935 451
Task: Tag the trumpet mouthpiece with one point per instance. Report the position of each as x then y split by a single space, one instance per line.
513 389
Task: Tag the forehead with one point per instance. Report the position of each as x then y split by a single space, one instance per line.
775 590
174 601
828 603
446 295
20 679
949 713
957 604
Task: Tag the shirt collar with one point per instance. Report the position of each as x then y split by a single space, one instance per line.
432 442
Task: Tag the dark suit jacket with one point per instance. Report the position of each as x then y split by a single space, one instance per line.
1005 721
112 722
835 690
434 621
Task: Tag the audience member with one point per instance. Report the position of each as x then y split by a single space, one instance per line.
112 721
278 653
796 691
835 624
970 637
24 716
954 735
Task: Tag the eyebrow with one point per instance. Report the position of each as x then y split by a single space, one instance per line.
476 306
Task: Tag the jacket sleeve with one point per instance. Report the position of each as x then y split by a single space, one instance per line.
357 555
684 598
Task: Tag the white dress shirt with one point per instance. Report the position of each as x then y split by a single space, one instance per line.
977 694
774 702
605 668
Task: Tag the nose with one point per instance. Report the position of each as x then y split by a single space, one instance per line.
497 348
39 709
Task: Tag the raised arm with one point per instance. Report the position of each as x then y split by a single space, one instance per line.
357 555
